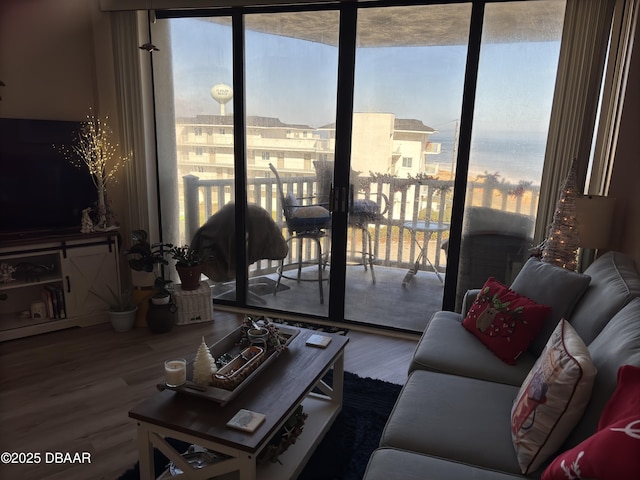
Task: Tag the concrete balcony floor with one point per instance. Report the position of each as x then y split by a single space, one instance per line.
387 303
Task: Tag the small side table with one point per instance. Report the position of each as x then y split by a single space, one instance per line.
194 306
428 229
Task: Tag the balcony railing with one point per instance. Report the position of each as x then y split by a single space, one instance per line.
410 200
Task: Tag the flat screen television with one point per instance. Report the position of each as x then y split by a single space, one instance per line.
41 192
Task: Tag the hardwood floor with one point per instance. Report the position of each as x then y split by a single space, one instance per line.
70 391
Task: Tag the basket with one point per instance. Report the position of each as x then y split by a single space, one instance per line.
194 306
238 369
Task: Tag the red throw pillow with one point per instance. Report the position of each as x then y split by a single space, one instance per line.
613 452
505 321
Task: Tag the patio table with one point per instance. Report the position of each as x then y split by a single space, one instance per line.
428 229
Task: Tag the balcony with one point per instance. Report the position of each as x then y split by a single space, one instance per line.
395 247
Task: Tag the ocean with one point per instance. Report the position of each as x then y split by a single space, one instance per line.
514 158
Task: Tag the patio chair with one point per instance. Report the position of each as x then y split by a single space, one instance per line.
495 244
362 211
304 222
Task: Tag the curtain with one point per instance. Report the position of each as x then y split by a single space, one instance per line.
585 41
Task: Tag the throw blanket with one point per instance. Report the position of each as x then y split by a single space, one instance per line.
217 240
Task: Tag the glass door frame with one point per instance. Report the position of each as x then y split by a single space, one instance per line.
344 122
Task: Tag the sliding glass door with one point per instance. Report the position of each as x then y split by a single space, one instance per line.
343 132
290 98
408 89
514 91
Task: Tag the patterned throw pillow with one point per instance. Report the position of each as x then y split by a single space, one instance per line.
552 398
613 452
504 321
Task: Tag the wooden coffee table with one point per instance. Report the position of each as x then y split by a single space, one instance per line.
276 392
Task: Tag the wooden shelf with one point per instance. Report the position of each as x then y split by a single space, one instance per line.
321 414
44 280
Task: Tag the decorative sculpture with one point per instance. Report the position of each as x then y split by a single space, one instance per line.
204 365
6 273
562 243
87 225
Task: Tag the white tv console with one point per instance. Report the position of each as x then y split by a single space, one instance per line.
75 265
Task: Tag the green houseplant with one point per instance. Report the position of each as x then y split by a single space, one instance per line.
144 259
189 265
122 308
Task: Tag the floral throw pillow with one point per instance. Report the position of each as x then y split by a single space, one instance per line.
504 321
552 398
613 452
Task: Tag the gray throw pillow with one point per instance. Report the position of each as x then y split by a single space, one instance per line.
548 284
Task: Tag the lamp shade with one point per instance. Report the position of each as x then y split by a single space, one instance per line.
594 216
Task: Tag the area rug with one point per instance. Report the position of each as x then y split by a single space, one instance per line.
345 450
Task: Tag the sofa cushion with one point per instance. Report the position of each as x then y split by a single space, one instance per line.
448 348
547 284
614 282
612 452
552 397
618 344
391 463
462 419
505 322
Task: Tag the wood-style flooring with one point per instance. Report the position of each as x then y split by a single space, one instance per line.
70 391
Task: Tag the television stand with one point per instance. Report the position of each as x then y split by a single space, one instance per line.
55 275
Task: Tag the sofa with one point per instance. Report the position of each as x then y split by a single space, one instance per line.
456 414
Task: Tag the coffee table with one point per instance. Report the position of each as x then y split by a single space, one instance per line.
276 392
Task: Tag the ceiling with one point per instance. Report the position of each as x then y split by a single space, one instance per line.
419 25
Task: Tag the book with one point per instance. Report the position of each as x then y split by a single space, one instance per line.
246 420
317 340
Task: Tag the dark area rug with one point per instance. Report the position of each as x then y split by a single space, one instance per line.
345 450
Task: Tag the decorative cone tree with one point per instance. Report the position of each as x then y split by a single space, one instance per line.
561 246
204 365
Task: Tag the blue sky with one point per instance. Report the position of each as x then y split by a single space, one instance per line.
295 80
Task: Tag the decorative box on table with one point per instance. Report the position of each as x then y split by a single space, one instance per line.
194 305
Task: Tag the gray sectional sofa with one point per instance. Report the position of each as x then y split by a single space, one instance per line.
452 419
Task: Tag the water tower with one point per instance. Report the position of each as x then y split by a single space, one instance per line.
222 93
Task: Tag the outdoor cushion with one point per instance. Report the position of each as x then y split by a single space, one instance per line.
613 452
505 322
548 284
552 398
364 209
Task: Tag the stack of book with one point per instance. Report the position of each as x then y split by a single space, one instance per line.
54 299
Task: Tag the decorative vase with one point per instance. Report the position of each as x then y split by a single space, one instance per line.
123 321
161 318
189 276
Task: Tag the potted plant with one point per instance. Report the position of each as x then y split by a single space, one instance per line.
144 259
122 308
189 265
